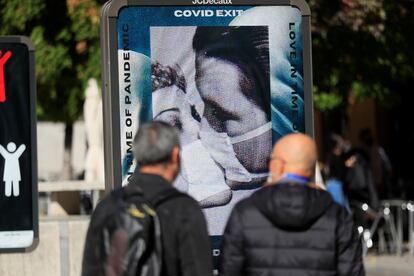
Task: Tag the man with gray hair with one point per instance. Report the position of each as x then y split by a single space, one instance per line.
186 246
184 242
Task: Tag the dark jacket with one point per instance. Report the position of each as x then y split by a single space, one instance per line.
361 186
186 244
290 229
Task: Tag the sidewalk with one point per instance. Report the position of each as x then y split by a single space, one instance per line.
389 265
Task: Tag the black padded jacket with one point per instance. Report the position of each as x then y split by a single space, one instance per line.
290 229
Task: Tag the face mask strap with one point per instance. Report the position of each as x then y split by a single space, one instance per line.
252 134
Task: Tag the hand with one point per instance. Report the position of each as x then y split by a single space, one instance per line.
349 163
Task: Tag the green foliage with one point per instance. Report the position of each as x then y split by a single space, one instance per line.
66 37
361 48
16 14
327 101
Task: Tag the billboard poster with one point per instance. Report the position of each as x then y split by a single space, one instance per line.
232 78
18 161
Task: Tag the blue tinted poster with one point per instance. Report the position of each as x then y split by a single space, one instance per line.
230 78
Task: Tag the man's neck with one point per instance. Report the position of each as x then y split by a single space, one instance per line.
157 170
295 177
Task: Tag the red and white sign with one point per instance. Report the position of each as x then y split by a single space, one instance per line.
3 59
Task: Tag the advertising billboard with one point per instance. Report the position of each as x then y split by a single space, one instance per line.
232 76
18 159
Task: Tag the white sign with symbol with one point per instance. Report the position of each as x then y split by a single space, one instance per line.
11 172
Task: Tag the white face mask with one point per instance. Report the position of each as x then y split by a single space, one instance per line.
251 134
206 185
220 147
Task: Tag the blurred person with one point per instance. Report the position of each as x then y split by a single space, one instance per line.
360 174
336 170
335 158
378 162
290 227
117 245
361 184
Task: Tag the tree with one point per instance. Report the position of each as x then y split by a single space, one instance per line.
66 37
361 49
343 32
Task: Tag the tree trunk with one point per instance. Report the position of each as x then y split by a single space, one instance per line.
67 172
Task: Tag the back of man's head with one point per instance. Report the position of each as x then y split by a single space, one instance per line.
154 143
293 153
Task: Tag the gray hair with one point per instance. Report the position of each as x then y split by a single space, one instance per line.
154 142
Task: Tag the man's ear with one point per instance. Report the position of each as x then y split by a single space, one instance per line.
175 155
279 168
276 167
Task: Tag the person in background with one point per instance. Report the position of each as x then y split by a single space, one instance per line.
336 170
360 179
290 227
378 162
335 159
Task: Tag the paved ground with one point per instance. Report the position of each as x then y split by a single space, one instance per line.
389 265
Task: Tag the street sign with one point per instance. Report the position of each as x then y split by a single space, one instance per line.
233 75
18 156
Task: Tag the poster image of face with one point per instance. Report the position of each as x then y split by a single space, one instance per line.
227 139
232 86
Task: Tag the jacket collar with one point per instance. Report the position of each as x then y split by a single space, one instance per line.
150 184
294 178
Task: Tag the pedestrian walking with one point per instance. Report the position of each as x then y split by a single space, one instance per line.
126 242
291 227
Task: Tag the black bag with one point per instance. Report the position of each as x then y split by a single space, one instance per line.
124 236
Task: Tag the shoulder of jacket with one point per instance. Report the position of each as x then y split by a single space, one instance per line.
182 201
245 205
338 212
104 202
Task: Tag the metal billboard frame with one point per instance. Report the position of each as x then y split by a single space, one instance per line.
110 84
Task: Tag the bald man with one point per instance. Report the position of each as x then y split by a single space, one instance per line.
290 227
